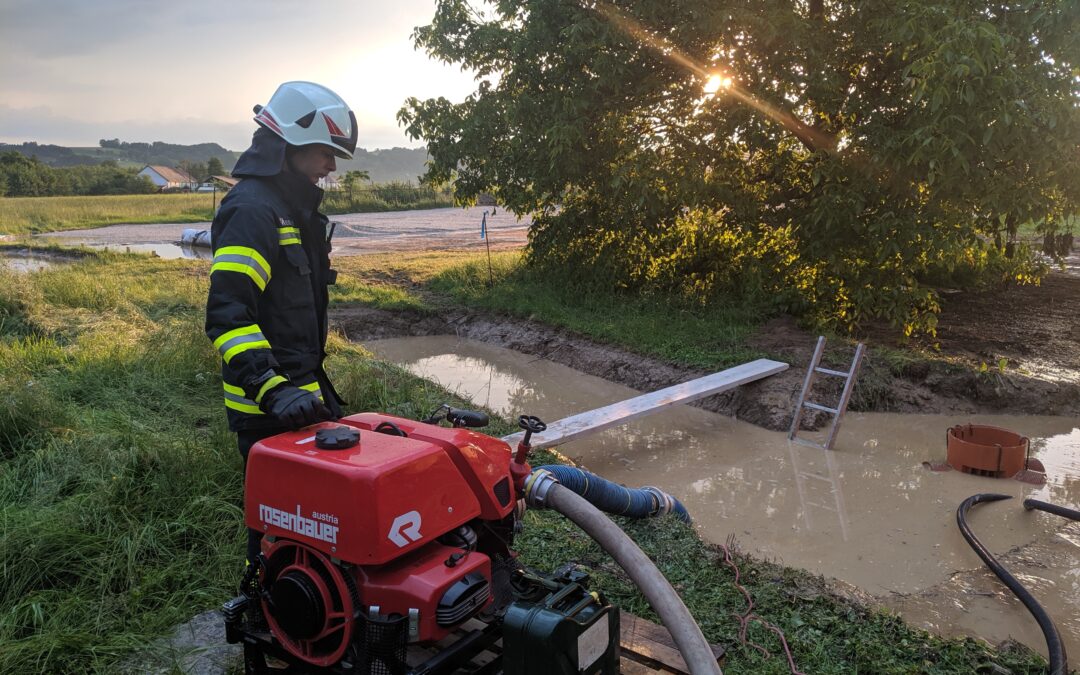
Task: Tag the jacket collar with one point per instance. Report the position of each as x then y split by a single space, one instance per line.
266 159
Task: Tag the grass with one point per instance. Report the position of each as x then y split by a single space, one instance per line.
120 489
31 215
389 197
712 338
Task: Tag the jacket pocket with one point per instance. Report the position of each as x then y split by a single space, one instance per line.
297 258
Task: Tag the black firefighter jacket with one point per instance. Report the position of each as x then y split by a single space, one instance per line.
266 309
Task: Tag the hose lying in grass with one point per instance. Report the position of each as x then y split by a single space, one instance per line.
543 490
1055 647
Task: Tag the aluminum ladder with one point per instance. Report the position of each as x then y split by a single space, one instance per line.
808 491
845 396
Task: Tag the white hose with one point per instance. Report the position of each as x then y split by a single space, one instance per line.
663 598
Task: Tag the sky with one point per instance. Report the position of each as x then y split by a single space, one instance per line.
76 71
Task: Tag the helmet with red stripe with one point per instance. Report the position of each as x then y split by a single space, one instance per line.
304 113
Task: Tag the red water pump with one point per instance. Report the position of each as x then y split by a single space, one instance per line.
381 531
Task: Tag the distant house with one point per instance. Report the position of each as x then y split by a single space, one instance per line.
330 182
219 183
168 178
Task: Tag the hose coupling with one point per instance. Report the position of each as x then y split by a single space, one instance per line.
537 486
664 502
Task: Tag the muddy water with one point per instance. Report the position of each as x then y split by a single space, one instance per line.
867 513
25 263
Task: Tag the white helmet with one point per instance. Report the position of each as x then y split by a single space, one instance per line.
303 113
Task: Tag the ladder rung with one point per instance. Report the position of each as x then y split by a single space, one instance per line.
822 506
827 371
815 406
809 444
807 474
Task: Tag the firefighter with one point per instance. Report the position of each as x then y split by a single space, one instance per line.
266 309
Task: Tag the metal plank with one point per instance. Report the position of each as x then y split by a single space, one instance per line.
586 423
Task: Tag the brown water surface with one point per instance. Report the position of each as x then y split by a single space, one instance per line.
867 513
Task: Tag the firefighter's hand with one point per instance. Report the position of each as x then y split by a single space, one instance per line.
294 406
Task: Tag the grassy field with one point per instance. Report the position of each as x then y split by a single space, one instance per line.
31 215
120 488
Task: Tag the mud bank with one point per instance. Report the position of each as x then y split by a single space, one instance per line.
922 387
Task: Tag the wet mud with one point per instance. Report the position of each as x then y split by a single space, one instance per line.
867 513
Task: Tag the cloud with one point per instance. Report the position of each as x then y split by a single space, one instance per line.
190 72
43 125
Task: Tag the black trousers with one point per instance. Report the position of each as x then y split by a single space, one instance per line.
244 441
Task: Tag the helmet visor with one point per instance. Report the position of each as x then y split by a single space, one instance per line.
346 145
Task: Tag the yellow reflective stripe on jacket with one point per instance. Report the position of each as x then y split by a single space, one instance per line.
234 398
288 235
240 340
270 384
243 260
314 388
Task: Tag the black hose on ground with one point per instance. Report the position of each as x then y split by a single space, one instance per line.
1059 664
1062 511
543 491
609 497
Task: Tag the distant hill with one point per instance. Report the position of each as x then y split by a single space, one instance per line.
125 154
392 164
384 165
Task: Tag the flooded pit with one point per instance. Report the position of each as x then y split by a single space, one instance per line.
867 513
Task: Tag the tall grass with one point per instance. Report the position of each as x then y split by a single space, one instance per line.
393 196
120 486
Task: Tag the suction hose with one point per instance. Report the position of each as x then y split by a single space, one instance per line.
613 498
1072 514
542 490
1055 647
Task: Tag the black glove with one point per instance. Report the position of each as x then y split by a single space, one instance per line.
294 406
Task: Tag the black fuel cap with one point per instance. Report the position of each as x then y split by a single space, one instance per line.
336 438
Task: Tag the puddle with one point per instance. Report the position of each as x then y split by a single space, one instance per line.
25 263
867 513
161 250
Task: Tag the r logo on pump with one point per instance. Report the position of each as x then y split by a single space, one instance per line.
405 529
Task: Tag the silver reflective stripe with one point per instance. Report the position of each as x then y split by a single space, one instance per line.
228 345
242 260
240 403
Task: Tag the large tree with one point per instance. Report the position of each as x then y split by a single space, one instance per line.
852 150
